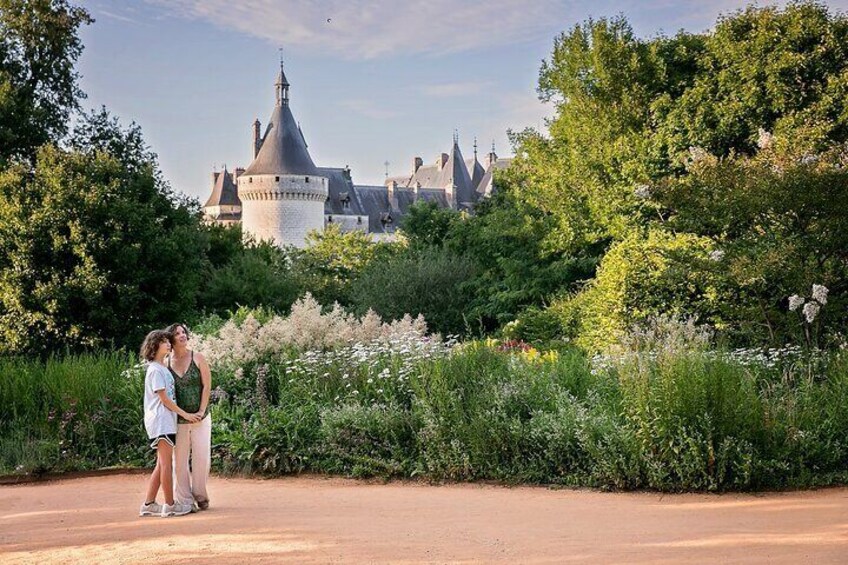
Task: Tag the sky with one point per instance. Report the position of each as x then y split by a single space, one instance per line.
371 81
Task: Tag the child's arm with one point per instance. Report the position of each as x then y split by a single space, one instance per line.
172 406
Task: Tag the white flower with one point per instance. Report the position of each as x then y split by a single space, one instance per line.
795 302
820 294
642 191
811 310
697 154
717 255
765 139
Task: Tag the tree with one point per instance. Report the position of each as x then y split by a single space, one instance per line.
425 223
431 281
39 45
332 260
256 275
93 245
516 266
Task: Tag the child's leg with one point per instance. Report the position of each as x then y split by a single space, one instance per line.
165 453
153 483
181 457
201 443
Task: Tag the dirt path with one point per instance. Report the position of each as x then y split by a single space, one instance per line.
318 520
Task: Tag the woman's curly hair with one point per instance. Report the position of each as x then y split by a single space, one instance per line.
151 344
172 329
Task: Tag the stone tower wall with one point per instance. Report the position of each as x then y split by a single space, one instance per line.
282 208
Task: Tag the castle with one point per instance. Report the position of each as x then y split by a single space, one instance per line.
282 195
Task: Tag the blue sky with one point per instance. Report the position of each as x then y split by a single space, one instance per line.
371 81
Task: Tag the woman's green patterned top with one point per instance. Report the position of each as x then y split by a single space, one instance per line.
189 389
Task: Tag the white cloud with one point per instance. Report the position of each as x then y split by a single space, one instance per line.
367 29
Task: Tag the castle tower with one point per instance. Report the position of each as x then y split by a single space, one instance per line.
223 206
281 191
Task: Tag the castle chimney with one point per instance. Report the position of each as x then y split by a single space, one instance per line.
391 188
257 139
416 164
237 173
215 177
442 160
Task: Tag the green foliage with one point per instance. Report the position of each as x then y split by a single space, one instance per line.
94 247
255 275
427 224
672 418
39 45
332 260
428 281
772 68
516 265
642 277
778 220
76 412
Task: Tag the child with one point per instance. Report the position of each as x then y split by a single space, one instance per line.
160 420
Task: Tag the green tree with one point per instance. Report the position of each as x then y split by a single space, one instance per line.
93 245
516 266
332 260
39 45
431 281
426 223
256 275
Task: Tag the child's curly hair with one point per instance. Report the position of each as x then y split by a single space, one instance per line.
151 344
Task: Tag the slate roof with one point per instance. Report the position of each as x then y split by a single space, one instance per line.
224 191
283 150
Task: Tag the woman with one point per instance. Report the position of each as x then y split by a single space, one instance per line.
192 381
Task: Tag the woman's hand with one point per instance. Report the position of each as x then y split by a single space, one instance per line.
192 418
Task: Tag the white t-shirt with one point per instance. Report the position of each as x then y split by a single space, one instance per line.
158 420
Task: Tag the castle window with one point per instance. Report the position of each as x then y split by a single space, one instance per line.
359 219
276 179
249 179
307 179
329 219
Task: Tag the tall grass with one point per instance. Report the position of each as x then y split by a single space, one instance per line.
74 412
679 419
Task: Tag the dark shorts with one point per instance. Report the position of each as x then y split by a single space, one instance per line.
170 438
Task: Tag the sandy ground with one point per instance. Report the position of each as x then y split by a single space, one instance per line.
323 520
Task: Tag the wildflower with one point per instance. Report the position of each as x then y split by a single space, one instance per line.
765 139
811 310
717 255
820 294
697 154
218 394
795 302
642 192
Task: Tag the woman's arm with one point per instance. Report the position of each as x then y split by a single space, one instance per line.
172 406
206 379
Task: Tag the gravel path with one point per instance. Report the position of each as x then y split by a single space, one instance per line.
327 520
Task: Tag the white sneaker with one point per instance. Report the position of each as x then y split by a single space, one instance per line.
152 509
175 509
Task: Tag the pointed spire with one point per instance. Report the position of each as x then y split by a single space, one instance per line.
475 147
282 85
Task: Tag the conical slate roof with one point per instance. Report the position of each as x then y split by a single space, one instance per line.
456 174
224 191
283 150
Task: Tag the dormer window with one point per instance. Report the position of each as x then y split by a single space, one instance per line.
344 198
386 218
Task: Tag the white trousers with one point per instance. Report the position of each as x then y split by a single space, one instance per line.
194 442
